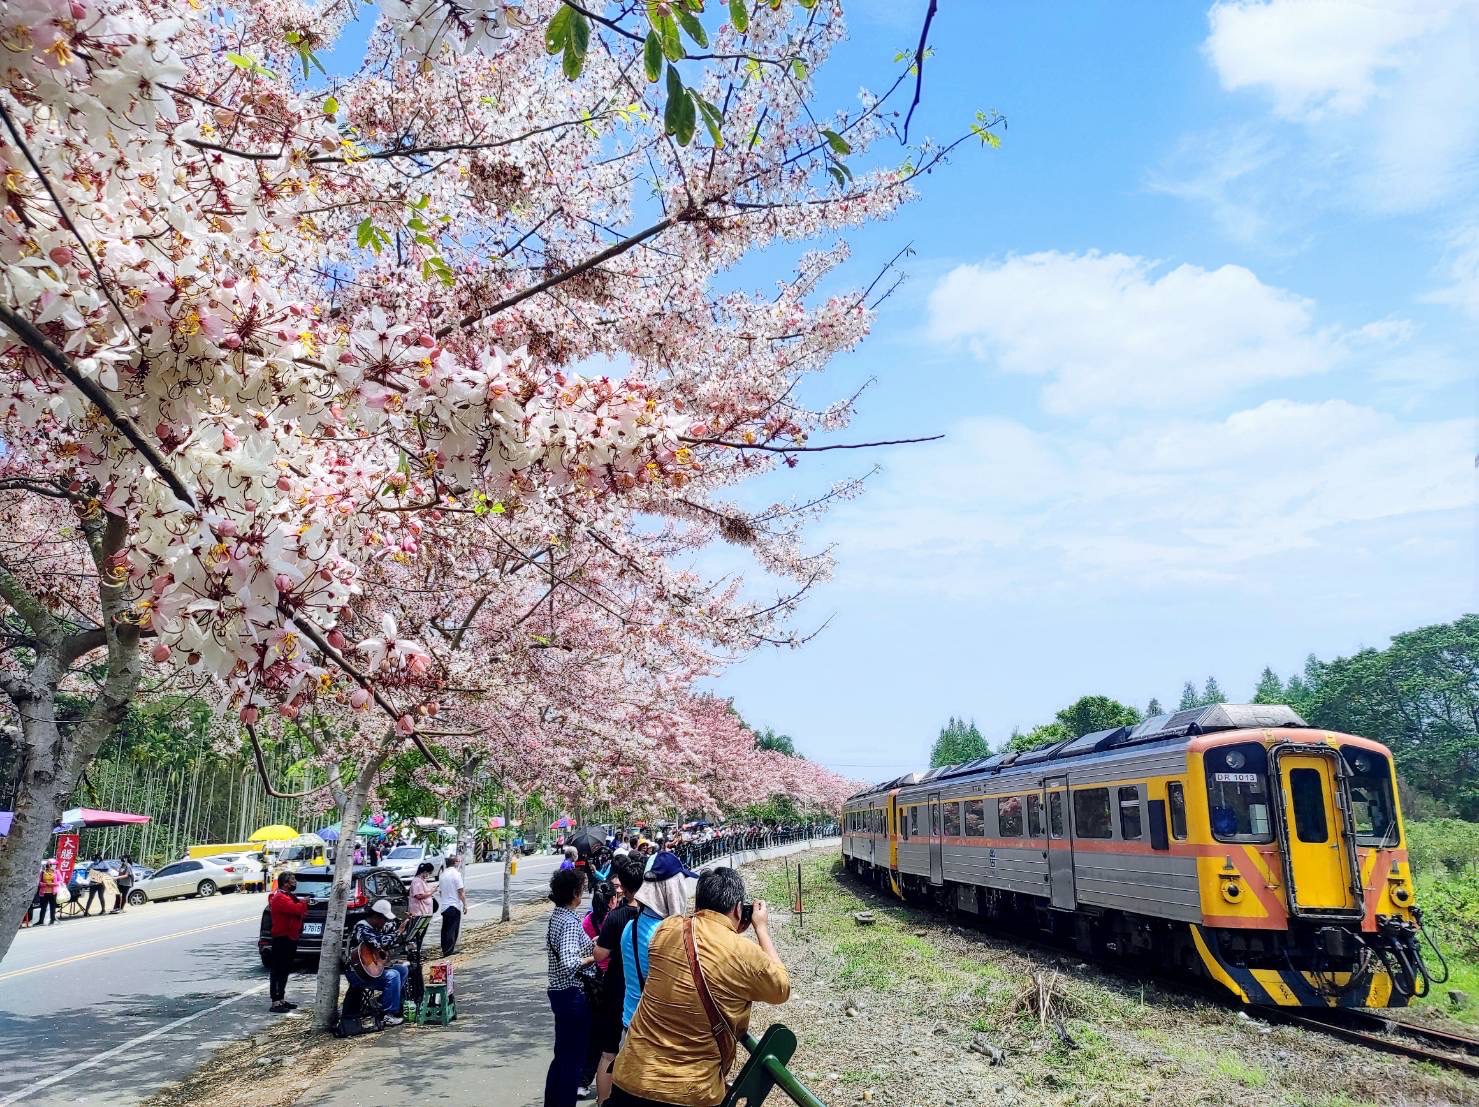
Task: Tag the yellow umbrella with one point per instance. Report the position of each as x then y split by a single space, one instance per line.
276 833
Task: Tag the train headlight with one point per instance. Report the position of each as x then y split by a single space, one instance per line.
1401 895
1235 759
1232 891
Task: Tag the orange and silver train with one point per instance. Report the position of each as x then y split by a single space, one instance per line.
1233 842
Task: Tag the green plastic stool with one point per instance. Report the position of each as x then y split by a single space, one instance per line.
436 1006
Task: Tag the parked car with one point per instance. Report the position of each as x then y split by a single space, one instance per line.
248 864
190 877
405 860
369 884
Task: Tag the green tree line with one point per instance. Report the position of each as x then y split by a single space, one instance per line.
1419 696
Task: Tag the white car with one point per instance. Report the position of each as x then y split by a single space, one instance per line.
249 865
190 877
405 860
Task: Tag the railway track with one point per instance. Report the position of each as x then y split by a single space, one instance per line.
1360 1027
1421 1043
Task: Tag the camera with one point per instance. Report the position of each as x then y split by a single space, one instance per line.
747 911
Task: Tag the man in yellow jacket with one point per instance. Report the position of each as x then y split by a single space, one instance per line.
702 977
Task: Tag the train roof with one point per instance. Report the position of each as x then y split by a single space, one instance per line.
1157 728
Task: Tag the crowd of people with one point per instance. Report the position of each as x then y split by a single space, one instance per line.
108 884
650 1002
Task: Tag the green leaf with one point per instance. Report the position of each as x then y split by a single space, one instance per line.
687 119
251 65
712 119
798 67
675 94
693 28
836 141
739 15
435 267
667 29
557 32
331 106
652 57
837 175
807 4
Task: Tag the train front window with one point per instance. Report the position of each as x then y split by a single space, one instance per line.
1369 776
1237 793
1307 797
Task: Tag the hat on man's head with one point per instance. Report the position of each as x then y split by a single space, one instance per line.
383 907
666 866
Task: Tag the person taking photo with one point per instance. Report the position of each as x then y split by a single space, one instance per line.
703 977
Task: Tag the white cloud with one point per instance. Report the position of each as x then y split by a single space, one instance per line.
1316 58
1461 269
1234 503
1384 91
1112 332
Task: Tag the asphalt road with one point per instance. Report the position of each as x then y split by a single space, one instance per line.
114 1007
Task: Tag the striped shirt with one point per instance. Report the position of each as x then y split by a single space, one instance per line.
567 945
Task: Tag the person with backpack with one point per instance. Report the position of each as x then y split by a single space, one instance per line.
661 895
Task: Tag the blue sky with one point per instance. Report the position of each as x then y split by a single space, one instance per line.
1201 338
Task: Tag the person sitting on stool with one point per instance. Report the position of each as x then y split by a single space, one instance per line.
377 931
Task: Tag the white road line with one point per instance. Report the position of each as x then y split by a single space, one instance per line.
57 1078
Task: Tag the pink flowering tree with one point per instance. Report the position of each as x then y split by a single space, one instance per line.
271 341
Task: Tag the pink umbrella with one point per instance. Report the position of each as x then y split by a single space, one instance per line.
88 817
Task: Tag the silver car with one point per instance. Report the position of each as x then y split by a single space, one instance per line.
190 877
405 860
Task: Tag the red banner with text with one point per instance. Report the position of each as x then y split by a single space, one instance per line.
66 857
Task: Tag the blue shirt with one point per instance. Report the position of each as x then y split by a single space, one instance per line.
646 925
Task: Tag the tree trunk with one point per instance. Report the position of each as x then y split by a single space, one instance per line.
54 760
326 999
508 852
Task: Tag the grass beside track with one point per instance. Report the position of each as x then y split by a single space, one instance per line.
923 990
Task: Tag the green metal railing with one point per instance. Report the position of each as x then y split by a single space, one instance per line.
766 1069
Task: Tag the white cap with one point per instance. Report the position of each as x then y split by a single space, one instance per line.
383 907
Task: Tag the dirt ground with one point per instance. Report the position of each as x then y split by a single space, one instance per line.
915 1011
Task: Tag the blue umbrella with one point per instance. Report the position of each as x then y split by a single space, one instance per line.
330 833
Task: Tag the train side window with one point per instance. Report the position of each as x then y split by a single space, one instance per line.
904 823
952 820
1307 793
1176 801
1091 813
975 818
1009 816
1034 817
914 819
1130 813
1055 814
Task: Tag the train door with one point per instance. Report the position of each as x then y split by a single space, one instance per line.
1320 861
937 843
893 831
873 835
1062 893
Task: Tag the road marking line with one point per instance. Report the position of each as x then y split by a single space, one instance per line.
57 1078
119 949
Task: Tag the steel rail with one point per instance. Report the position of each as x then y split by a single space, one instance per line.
1385 1034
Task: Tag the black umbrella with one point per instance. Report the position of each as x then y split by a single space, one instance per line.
588 839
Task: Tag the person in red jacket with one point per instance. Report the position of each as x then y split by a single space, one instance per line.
287 927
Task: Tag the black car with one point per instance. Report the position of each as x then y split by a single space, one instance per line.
370 882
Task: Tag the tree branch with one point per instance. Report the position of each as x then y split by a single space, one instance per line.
43 348
924 34
807 449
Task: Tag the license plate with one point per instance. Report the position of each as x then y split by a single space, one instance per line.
313 930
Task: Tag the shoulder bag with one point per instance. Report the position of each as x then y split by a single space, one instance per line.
719 1027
